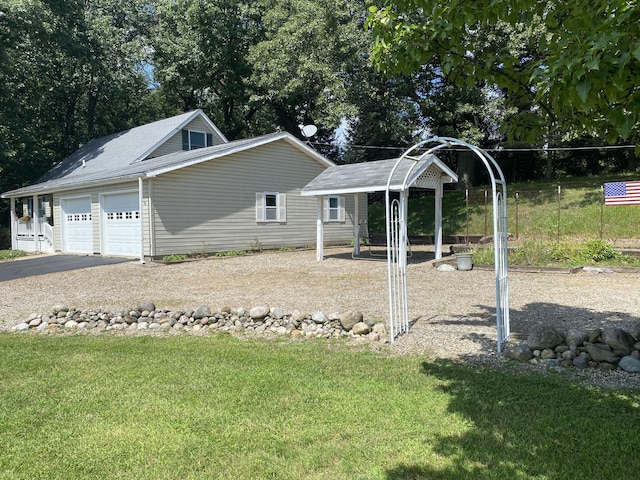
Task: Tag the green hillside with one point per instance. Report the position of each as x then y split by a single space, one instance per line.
538 212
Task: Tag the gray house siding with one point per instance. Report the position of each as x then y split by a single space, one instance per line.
174 144
211 206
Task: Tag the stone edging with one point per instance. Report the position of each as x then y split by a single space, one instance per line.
259 319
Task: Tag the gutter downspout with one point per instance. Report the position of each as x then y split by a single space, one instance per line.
140 198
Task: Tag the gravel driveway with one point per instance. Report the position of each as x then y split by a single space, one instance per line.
452 312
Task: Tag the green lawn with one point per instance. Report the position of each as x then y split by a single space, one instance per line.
185 407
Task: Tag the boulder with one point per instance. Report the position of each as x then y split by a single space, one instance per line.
542 337
601 352
259 312
620 341
360 328
445 267
22 326
580 363
575 338
201 312
149 306
349 318
630 364
319 317
518 352
547 354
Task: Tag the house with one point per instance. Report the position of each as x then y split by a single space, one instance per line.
178 186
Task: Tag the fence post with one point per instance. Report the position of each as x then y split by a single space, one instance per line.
558 234
466 194
485 213
517 232
601 209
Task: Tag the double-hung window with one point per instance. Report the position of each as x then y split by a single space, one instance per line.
271 207
334 210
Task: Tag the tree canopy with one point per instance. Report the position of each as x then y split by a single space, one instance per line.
575 64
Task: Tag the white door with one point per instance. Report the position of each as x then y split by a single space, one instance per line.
77 227
121 224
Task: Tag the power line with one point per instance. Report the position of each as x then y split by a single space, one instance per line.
495 149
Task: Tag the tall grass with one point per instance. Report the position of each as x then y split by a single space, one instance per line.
104 406
538 212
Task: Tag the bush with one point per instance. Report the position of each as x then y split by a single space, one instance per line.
5 238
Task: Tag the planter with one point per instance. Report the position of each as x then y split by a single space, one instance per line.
464 261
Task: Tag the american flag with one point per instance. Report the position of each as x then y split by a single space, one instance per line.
622 193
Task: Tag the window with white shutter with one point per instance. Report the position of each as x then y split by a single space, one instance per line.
271 207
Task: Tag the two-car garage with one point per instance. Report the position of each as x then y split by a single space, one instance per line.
118 231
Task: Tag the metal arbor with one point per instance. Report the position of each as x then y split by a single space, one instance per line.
396 227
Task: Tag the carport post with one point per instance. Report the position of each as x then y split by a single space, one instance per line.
437 233
356 224
320 230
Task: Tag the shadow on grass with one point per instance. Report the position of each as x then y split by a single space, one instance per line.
528 426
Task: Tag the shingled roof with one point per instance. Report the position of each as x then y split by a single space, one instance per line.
373 176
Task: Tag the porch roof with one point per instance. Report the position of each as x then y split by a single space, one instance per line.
424 172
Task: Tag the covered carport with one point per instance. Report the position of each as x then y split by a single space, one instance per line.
396 175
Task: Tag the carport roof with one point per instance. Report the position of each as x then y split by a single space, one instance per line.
422 172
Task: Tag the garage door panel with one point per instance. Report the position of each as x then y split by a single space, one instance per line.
77 225
121 221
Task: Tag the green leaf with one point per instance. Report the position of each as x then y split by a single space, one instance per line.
636 51
583 88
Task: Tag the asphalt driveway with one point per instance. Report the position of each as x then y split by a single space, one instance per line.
51 264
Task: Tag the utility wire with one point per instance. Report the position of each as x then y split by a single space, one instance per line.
495 149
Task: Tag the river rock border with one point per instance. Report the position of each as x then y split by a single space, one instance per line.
610 348
259 320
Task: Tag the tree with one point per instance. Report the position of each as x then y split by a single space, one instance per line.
581 74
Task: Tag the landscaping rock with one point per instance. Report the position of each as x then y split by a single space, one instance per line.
620 341
518 352
360 328
148 306
629 364
349 318
542 337
319 317
445 267
576 337
601 352
258 313
201 312
22 327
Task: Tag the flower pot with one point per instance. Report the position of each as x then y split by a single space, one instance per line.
464 261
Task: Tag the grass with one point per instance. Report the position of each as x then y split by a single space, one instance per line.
219 407
544 253
535 214
11 254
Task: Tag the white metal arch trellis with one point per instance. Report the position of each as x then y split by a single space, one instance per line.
396 227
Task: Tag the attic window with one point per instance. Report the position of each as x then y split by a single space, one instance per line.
192 139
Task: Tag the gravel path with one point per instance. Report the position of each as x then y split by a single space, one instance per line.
452 313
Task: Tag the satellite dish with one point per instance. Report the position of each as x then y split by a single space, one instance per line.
308 130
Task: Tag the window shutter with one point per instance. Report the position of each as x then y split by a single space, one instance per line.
209 139
341 209
282 207
259 207
185 139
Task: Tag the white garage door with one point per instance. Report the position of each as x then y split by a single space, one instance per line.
77 227
121 224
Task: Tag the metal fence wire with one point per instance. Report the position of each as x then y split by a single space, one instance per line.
554 212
